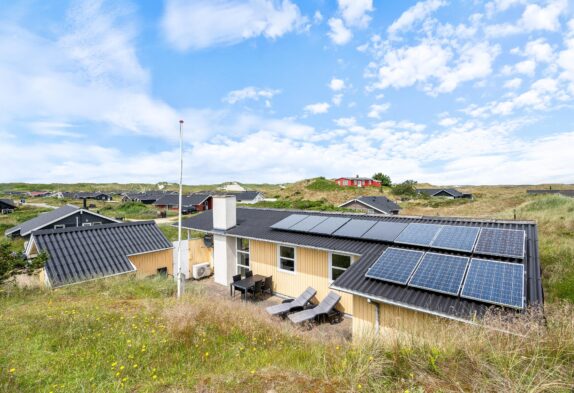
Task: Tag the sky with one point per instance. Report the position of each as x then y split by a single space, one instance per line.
272 91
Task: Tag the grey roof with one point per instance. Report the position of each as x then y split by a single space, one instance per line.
145 196
187 200
8 202
81 195
433 191
86 253
255 224
379 203
356 178
569 193
42 220
245 195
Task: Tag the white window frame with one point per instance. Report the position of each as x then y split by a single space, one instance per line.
353 258
86 224
59 226
238 252
294 259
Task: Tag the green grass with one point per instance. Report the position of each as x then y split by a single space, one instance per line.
23 213
126 335
300 204
322 184
135 210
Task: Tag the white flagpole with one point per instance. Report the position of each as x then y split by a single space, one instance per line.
179 278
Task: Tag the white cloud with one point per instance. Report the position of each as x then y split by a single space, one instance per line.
336 84
249 93
376 110
514 83
416 13
533 18
448 121
539 50
318 108
339 34
354 12
205 23
337 99
346 122
318 17
526 67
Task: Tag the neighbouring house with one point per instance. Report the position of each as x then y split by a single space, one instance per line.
147 198
193 202
232 187
37 194
82 254
568 193
63 217
444 192
7 206
396 274
372 205
98 196
248 197
357 182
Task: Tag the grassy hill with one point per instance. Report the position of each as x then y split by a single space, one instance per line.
126 335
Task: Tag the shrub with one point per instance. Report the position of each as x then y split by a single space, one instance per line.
406 188
384 179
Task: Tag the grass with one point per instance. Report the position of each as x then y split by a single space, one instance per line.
301 204
134 210
23 213
125 335
322 184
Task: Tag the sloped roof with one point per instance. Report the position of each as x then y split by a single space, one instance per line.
42 220
245 195
80 195
433 191
356 178
379 203
8 202
86 253
47 218
256 224
187 200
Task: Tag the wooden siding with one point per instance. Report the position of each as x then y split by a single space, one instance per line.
311 269
199 253
148 263
363 318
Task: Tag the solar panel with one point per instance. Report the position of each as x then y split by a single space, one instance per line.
440 272
495 282
307 223
386 231
501 242
289 221
395 265
456 238
329 226
354 228
418 234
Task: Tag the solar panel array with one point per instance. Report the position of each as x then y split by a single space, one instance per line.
395 265
495 282
479 279
484 241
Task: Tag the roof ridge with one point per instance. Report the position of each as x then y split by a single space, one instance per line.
93 227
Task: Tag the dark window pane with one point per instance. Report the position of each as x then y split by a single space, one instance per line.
287 264
342 261
287 252
336 273
242 259
242 244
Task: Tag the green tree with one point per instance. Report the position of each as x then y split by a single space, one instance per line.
406 188
12 263
384 179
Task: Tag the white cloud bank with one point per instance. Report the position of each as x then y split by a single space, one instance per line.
193 25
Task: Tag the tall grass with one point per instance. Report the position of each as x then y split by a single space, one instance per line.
123 335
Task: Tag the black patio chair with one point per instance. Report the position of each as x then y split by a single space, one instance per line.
236 278
256 290
248 273
268 285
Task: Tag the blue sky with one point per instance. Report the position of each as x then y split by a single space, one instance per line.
447 92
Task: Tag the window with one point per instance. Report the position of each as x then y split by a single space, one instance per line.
345 182
162 272
59 226
87 224
242 256
287 259
96 223
339 263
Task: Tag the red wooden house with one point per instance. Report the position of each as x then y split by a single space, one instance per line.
357 182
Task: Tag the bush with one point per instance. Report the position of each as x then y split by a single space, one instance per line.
406 188
384 179
322 184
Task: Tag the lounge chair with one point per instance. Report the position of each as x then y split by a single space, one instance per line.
292 305
322 310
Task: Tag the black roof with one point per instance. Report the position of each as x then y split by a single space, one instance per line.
86 253
187 200
255 224
379 203
81 195
8 202
244 195
146 196
433 191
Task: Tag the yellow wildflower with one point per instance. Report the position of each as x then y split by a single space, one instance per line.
12 370
135 365
122 367
154 376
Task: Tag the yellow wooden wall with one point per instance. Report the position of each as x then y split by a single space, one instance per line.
363 317
312 269
147 264
199 253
